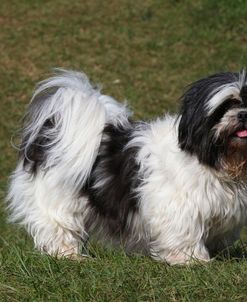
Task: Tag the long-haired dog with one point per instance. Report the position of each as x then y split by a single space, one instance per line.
175 187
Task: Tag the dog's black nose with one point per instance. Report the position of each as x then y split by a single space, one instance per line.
242 116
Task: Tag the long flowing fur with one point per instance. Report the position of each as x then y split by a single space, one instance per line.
169 187
62 134
78 114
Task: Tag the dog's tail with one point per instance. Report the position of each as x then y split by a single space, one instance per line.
64 124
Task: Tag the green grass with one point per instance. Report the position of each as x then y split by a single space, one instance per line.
144 51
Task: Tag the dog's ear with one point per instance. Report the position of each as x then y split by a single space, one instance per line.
191 116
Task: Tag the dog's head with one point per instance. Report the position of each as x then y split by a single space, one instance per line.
213 121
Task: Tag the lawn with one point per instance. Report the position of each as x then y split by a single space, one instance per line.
143 51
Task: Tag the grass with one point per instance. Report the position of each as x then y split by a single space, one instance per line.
144 51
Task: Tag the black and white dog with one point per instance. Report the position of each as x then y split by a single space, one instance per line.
175 187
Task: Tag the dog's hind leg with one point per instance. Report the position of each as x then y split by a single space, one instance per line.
60 142
52 215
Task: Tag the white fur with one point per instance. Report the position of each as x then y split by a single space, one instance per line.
185 207
53 217
47 204
76 139
224 92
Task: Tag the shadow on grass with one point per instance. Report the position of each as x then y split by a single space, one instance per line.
237 253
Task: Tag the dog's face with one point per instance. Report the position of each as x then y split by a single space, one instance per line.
213 122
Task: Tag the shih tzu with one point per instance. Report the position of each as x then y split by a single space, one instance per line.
175 187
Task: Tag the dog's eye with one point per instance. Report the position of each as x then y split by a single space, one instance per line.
234 101
231 103
224 107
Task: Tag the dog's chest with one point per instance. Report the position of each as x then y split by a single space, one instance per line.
227 204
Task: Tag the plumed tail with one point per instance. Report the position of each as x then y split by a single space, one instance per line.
64 124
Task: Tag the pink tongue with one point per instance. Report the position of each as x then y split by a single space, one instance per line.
242 133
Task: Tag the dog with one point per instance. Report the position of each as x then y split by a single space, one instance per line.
174 188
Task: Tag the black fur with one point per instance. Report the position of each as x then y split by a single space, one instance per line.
243 94
117 168
115 165
195 127
35 155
